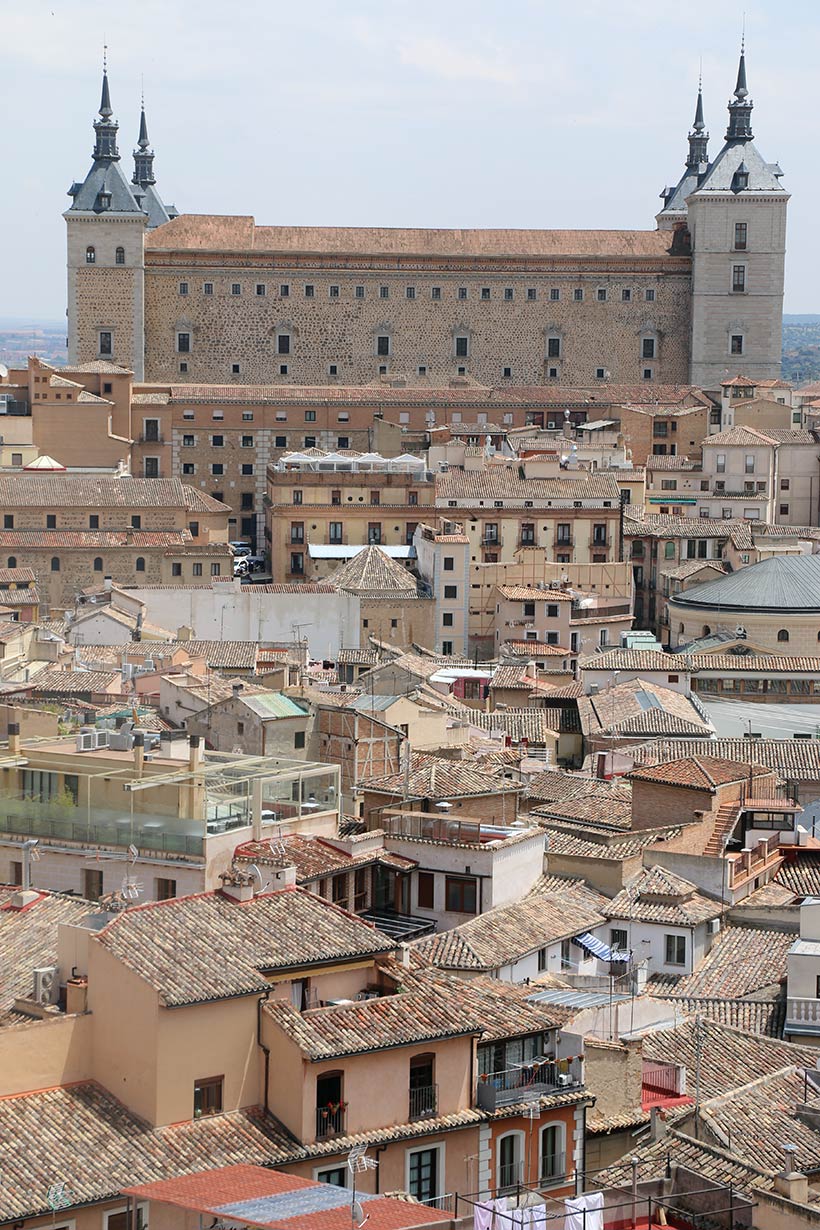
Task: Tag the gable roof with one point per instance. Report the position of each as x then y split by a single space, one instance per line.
507 933
658 895
435 777
206 947
28 939
638 706
698 772
742 961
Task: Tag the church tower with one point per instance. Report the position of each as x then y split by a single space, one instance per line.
106 224
736 217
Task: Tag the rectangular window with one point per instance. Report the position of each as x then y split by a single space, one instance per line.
217 468
626 295
741 233
618 940
648 348
649 295
165 889
461 896
553 348
720 463
310 416
462 292
297 563
284 291
183 288
601 294
106 342
737 343
578 294
283 343
384 292
749 463
435 292
675 949
335 532
333 292
197 570
207 288
92 884
461 347
447 619
310 291
281 442
297 531
448 563
261 289
184 343
532 293
451 591
426 890
247 467
236 289
738 279
555 294
298 740
208 1096
383 345
358 292
409 292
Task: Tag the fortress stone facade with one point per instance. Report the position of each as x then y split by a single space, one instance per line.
220 300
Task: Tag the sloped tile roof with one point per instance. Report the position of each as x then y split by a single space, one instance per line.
759 1117
507 933
435 777
64 683
313 857
753 1016
801 875
527 593
372 571
656 895
502 483
534 724
28 939
699 772
227 943
222 654
792 759
60 490
638 706
742 961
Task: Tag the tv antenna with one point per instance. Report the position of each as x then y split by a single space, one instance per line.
357 1163
57 1197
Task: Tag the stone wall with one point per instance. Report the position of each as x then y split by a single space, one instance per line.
503 333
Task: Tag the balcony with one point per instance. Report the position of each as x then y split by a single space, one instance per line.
527 540
802 1016
423 1102
331 1120
150 439
490 540
527 1081
563 543
600 544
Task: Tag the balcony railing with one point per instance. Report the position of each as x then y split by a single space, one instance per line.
446 1203
149 439
489 541
331 1120
424 1102
803 1015
552 1169
510 1175
528 1080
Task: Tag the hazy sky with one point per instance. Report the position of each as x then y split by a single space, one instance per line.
514 113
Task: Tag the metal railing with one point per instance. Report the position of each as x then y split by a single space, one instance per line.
552 1168
529 1079
423 1102
331 1120
446 1203
117 835
510 1174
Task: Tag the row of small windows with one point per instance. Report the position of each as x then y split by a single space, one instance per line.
602 293
91 255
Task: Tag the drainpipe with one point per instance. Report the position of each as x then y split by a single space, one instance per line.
263 999
379 1149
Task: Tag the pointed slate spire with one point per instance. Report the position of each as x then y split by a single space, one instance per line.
143 155
698 137
105 128
740 107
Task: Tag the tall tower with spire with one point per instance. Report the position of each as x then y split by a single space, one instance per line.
673 213
106 226
736 218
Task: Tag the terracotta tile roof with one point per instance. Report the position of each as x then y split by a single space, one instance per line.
222 654
276 1200
357 657
611 810
313 857
555 785
506 934
765 663
64 683
753 1016
636 660
675 1148
66 539
433 777
638 707
673 463
533 724
663 525
28 939
59 490
216 233
658 895
699 772
569 842
420 1014
567 888
12 598
502 483
372 572
513 677
536 649
759 1117
503 1008
801 874
18 577
741 435
227 943
528 593
742 961
691 566
796 760
200 502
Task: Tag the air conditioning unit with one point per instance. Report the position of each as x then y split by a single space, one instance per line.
563 1079
713 926
86 740
46 985
102 738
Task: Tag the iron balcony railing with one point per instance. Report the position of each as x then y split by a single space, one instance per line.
331 1120
424 1102
527 1080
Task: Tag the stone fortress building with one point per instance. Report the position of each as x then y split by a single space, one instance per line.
207 300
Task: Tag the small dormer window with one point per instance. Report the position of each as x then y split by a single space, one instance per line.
104 200
740 179
90 255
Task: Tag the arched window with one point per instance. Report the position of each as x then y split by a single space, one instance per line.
552 1161
98 564
509 1161
783 635
91 255
119 256
13 564
55 563
140 564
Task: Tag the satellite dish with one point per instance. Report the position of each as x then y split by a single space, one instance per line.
359 1215
256 873
4 371
740 632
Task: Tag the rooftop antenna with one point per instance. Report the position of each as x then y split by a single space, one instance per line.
357 1163
31 854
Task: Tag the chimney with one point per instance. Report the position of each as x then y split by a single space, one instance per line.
108 584
236 688
238 884
404 955
139 752
14 738
194 752
791 1182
